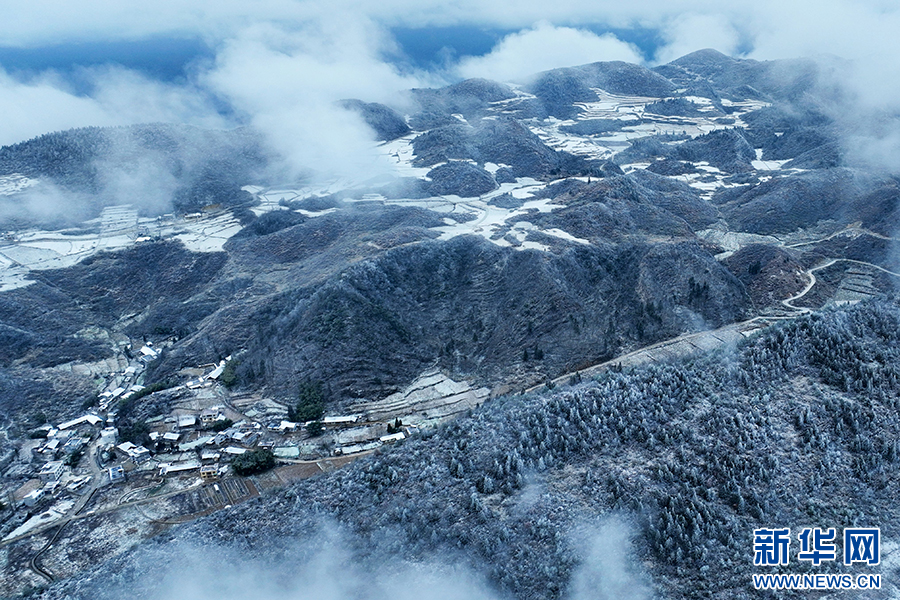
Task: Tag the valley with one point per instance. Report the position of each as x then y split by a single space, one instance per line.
549 288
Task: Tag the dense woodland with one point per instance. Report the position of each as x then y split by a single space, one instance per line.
798 427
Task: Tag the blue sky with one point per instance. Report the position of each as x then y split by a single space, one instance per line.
172 59
166 58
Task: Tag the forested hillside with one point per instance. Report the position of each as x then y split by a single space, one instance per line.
796 427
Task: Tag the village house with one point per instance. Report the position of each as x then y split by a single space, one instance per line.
178 467
137 454
209 472
148 353
51 471
209 416
33 497
208 456
286 452
93 420
186 422
216 372
194 444
79 484
109 436
116 474
47 450
73 445
340 421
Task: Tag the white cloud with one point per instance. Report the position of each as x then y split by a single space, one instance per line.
119 97
545 47
52 21
282 63
286 82
42 105
786 28
282 79
690 32
609 570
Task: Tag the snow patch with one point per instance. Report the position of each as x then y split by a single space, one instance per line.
766 165
116 228
732 241
400 156
15 183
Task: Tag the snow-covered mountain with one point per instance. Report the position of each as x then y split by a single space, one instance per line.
515 236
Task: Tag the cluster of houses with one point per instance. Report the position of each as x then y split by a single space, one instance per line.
52 455
189 442
66 439
184 443
59 448
208 379
121 385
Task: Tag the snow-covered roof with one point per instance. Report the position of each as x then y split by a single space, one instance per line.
214 374
195 444
177 467
286 452
52 467
92 419
341 419
187 420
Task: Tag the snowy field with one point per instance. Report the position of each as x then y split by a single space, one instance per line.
116 228
120 226
14 183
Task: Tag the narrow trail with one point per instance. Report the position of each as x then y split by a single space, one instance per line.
857 229
706 340
92 513
812 280
698 341
788 302
35 566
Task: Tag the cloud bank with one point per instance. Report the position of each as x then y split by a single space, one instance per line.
47 103
281 65
325 569
286 82
542 48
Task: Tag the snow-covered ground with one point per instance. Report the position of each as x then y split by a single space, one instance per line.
14 183
399 153
116 228
637 123
767 165
732 241
493 222
55 513
120 226
488 219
